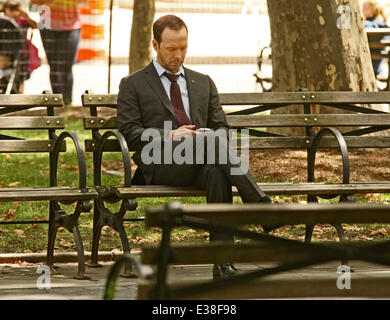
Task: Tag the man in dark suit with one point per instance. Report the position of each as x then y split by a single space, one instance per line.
167 92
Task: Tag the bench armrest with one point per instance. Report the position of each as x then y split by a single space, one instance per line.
125 155
80 157
313 150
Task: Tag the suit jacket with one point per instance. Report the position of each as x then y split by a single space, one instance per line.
143 103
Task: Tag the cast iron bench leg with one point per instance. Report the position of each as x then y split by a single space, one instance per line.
59 218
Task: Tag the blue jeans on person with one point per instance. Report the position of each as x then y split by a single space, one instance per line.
61 49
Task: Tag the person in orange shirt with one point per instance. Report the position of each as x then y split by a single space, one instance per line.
60 37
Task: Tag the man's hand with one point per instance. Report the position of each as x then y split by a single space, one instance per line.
183 131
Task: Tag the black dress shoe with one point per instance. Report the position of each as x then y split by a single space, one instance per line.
223 270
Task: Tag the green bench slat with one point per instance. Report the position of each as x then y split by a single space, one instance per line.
270 98
375 32
379 56
103 100
378 45
326 142
100 123
111 145
219 253
31 100
26 146
50 193
316 120
276 98
285 214
262 121
282 286
258 143
269 188
28 123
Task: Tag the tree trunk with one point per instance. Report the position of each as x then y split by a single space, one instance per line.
319 45
141 34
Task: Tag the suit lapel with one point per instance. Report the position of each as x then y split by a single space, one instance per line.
154 81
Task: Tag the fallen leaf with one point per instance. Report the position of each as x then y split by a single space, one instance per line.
381 231
9 213
13 184
20 233
191 230
66 244
33 226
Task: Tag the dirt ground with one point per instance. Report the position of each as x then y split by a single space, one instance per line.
291 165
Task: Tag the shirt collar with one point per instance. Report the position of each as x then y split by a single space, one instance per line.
160 69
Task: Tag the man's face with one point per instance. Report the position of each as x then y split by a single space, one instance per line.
172 49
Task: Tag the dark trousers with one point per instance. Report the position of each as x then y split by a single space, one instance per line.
215 178
61 49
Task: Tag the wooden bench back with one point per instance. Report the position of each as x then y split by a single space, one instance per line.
255 103
11 120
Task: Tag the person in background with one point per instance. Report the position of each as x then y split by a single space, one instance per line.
29 54
374 17
60 40
13 9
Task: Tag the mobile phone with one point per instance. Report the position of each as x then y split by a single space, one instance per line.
204 130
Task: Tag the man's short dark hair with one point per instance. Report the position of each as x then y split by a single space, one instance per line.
169 21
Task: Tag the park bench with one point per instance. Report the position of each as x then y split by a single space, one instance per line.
267 255
375 42
364 120
12 119
261 78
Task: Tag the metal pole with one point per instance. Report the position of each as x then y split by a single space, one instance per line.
109 49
